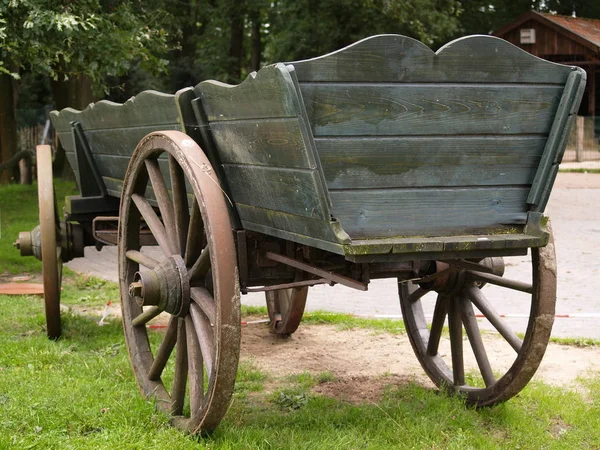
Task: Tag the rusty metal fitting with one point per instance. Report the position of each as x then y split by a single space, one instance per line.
29 243
166 286
71 240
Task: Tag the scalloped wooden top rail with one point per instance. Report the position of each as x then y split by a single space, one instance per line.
384 139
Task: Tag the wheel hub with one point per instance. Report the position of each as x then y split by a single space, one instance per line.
450 279
69 237
166 286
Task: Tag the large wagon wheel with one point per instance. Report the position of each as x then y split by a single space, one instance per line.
454 293
196 284
49 230
285 307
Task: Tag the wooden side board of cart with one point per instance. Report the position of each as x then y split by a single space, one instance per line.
383 159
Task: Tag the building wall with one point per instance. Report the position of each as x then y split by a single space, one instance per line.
554 46
549 44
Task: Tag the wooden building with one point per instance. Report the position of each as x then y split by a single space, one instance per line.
563 39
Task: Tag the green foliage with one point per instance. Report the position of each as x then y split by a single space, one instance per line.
95 38
307 28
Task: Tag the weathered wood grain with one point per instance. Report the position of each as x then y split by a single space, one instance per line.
289 190
557 140
265 94
262 137
377 213
145 109
383 162
394 58
419 109
271 142
302 225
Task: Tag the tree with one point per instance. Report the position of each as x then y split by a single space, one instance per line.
307 28
76 43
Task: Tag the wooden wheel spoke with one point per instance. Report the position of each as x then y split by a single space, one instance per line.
180 203
205 301
456 343
146 316
195 367
437 325
154 223
140 258
204 330
164 350
482 303
201 266
474 335
501 281
200 351
165 205
181 370
193 244
417 294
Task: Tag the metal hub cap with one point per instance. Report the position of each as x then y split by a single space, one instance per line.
166 286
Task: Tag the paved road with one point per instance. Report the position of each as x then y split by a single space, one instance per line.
574 208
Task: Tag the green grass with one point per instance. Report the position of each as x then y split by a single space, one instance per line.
580 170
340 320
79 393
19 212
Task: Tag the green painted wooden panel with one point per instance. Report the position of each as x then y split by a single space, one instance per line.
145 109
122 141
269 142
306 226
264 94
394 58
426 109
429 161
263 140
293 191
372 213
557 140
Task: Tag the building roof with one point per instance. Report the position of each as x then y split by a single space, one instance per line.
582 30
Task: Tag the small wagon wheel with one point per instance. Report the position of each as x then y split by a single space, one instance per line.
195 284
454 296
286 307
49 230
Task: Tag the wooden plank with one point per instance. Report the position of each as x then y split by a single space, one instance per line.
145 109
270 142
293 191
434 109
264 94
429 161
319 229
461 246
122 141
372 213
557 140
293 237
394 58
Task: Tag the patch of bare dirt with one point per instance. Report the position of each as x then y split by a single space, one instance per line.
364 363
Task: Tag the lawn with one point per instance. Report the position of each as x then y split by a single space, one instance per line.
79 392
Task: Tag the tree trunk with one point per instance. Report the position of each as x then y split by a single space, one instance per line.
255 43
236 48
8 127
76 92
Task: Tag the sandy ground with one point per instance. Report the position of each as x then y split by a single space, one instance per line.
363 362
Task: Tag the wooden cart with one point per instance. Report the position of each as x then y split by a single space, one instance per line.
381 160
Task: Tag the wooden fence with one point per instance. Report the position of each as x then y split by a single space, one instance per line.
583 148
